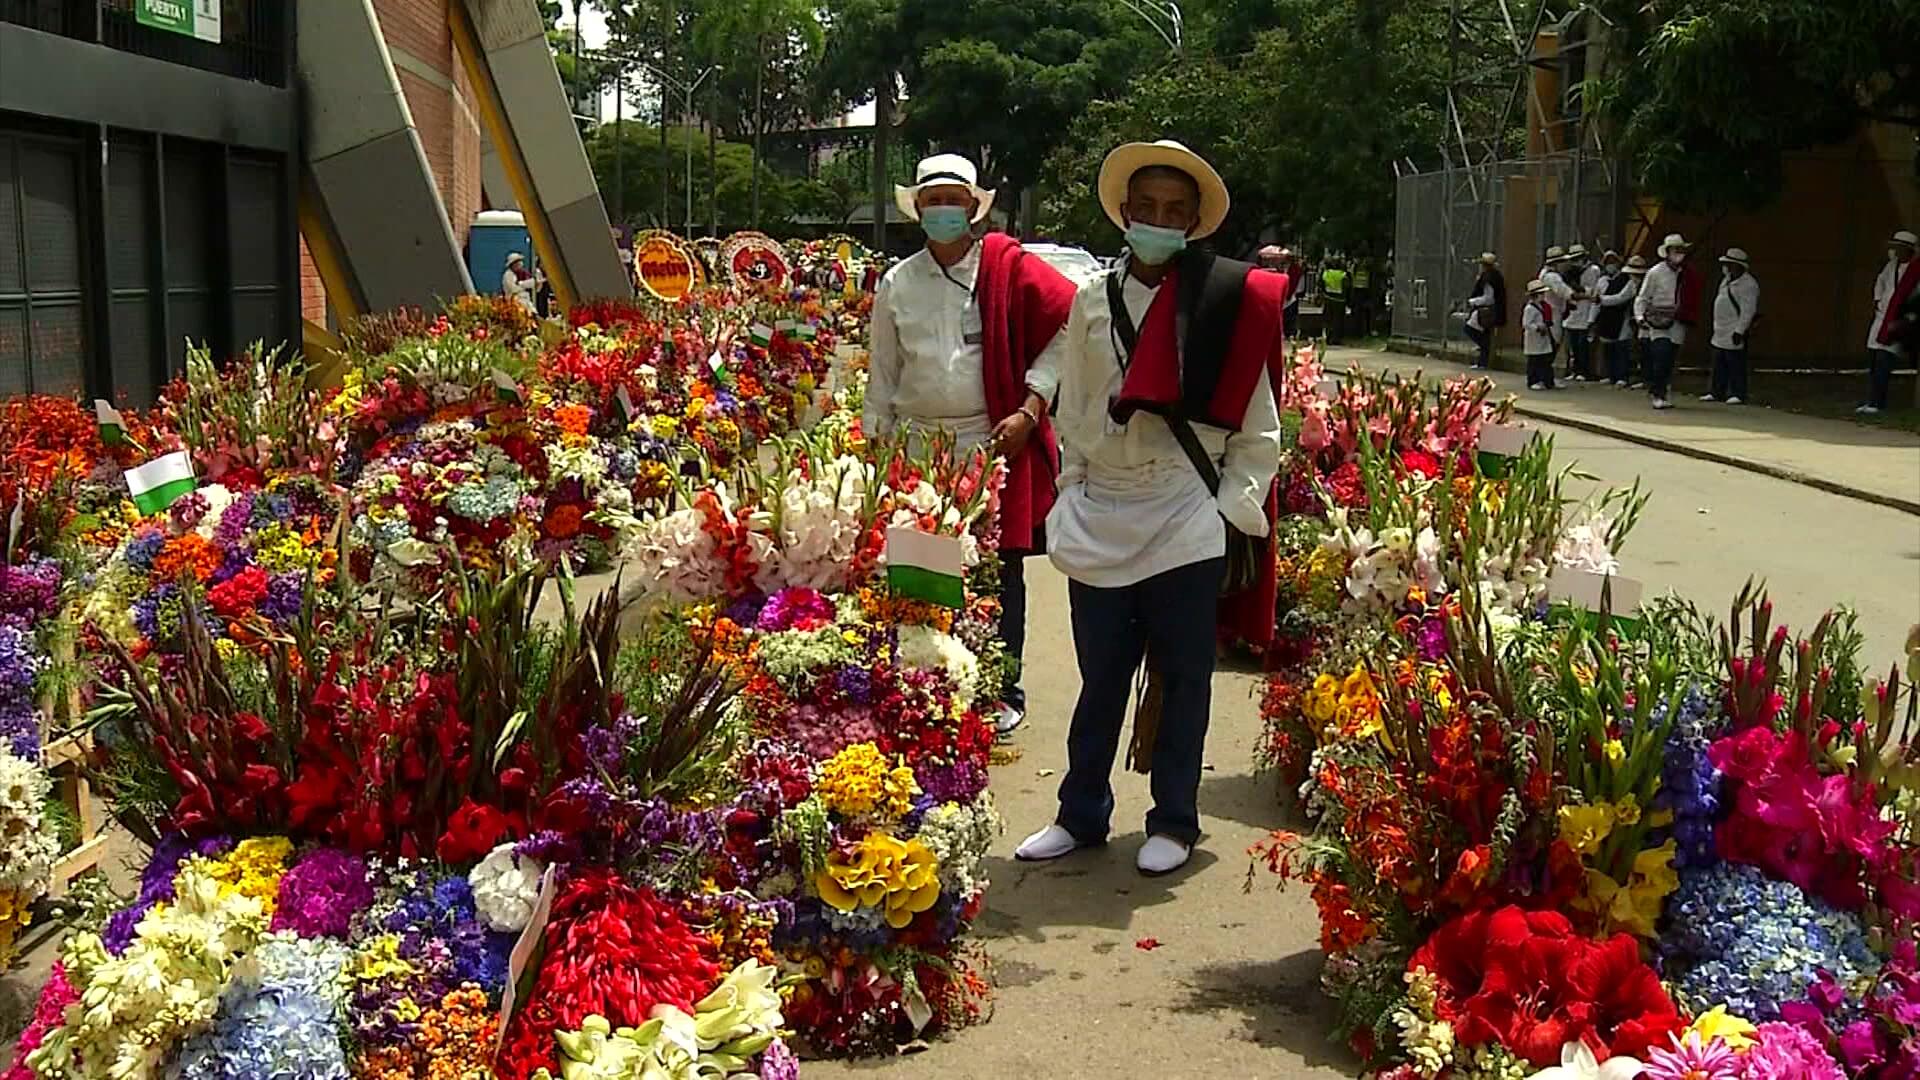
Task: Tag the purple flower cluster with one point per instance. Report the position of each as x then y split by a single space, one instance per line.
445 943
322 893
1873 1036
144 547
1690 786
20 665
29 592
793 607
156 883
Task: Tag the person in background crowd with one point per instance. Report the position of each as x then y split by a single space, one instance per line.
1897 282
1333 300
1172 434
1583 276
962 340
519 284
1360 297
1538 337
1734 309
1486 308
1559 293
1668 303
1614 325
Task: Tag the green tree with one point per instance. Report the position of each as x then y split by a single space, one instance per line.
784 27
629 157
862 55
1708 99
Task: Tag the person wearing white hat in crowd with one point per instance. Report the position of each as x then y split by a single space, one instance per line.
963 340
1581 275
1614 325
519 284
1898 280
1486 309
1172 436
1559 293
1734 309
1664 309
1538 338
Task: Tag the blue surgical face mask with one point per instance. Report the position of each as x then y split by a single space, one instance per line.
1154 245
945 224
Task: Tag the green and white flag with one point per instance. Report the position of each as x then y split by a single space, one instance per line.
1500 444
113 428
159 482
927 567
624 402
761 334
505 389
806 331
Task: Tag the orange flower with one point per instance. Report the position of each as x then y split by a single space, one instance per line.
564 521
1341 928
191 553
573 419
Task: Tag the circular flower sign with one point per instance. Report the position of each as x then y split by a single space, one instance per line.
754 259
663 266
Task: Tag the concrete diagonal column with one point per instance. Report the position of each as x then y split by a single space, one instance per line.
530 127
371 213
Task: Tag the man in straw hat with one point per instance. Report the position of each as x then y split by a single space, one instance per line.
519 284
1487 308
961 339
1172 440
1582 275
1538 338
1668 303
1734 308
1898 281
1613 326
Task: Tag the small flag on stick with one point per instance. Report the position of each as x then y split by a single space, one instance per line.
1500 444
807 331
624 402
506 389
159 482
113 428
761 334
926 567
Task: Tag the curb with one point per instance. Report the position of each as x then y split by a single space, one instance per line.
1653 442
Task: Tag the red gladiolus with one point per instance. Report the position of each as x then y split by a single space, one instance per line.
476 829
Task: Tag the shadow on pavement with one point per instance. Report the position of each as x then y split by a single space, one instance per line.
1094 887
1279 1004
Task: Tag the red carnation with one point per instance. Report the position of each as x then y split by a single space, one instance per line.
239 594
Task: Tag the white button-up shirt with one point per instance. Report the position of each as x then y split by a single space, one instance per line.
1660 289
1585 311
1883 287
1734 307
927 360
1131 504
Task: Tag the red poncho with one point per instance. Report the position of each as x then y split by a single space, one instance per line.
1023 304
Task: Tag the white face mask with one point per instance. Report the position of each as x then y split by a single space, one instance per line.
1674 260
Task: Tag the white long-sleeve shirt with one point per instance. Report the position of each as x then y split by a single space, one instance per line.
1622 298
1883 287
1585 311
1560 295
927 361
1480 306
524 290
1536 330
1734 307
1131 504
1660 290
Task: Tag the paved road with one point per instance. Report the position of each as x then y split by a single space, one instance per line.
1231 990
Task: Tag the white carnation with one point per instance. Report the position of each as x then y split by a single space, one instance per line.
505 888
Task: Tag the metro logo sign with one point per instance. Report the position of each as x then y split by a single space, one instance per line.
193 18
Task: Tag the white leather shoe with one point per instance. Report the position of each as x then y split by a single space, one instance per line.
1049 843
1162 855
1008 721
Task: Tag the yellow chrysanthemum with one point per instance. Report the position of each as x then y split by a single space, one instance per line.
900 877
857 782
1585 828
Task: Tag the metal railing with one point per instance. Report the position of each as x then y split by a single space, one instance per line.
255 35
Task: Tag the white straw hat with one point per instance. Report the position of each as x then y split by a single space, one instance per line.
1907 238
1738 257
514 257
1536 285
1674 240
1130 158
942 170
1577 251
1556 253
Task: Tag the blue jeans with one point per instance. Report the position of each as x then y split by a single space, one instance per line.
1879 376
1619 360
1013 624
1171 616
1729 374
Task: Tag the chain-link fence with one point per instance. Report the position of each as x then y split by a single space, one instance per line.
1515 209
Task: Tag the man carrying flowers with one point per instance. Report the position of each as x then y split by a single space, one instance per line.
1172 439
961 339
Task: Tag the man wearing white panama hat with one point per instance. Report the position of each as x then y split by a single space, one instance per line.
1734 309
1172 439
963 339
1665 307
1898 280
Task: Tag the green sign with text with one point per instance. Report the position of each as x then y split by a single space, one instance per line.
194 18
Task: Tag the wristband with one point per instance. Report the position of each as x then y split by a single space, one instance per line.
1030 414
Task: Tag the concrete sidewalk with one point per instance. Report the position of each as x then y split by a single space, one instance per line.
1875 464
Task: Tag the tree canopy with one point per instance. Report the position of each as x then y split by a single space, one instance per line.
1710 99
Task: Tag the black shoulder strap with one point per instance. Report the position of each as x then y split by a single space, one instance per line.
1183 432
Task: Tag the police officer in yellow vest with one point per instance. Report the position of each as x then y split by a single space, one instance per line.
1333 300
1360 299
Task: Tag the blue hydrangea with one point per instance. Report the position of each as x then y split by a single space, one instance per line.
267 1032
143 548
1737 938
485 500
1689 784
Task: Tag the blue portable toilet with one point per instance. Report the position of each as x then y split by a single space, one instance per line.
495 233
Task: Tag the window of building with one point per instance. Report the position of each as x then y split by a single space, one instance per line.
43 325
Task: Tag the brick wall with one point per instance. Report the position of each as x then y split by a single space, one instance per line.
440 98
